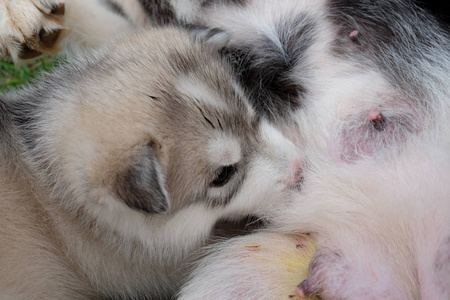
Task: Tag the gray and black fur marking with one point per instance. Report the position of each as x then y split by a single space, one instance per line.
115 8
267 71
160 12
206 3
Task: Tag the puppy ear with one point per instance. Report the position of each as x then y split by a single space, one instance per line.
215 37
142 185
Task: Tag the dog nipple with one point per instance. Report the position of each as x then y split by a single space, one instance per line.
354 36
375 116
377 119
299 291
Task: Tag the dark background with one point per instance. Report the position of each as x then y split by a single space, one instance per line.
439 8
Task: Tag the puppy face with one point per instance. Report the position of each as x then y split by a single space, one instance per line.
181 144
132 131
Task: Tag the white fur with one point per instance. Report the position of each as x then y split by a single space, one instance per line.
225 150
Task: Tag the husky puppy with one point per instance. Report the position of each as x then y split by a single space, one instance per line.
115 168
367 83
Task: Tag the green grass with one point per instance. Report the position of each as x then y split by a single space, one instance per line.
12 76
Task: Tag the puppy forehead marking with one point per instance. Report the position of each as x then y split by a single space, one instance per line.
224 150
194 88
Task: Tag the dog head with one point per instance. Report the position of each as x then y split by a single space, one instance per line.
154 122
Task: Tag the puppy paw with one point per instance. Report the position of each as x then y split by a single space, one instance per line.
30 28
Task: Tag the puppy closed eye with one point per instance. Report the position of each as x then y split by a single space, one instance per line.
224 175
